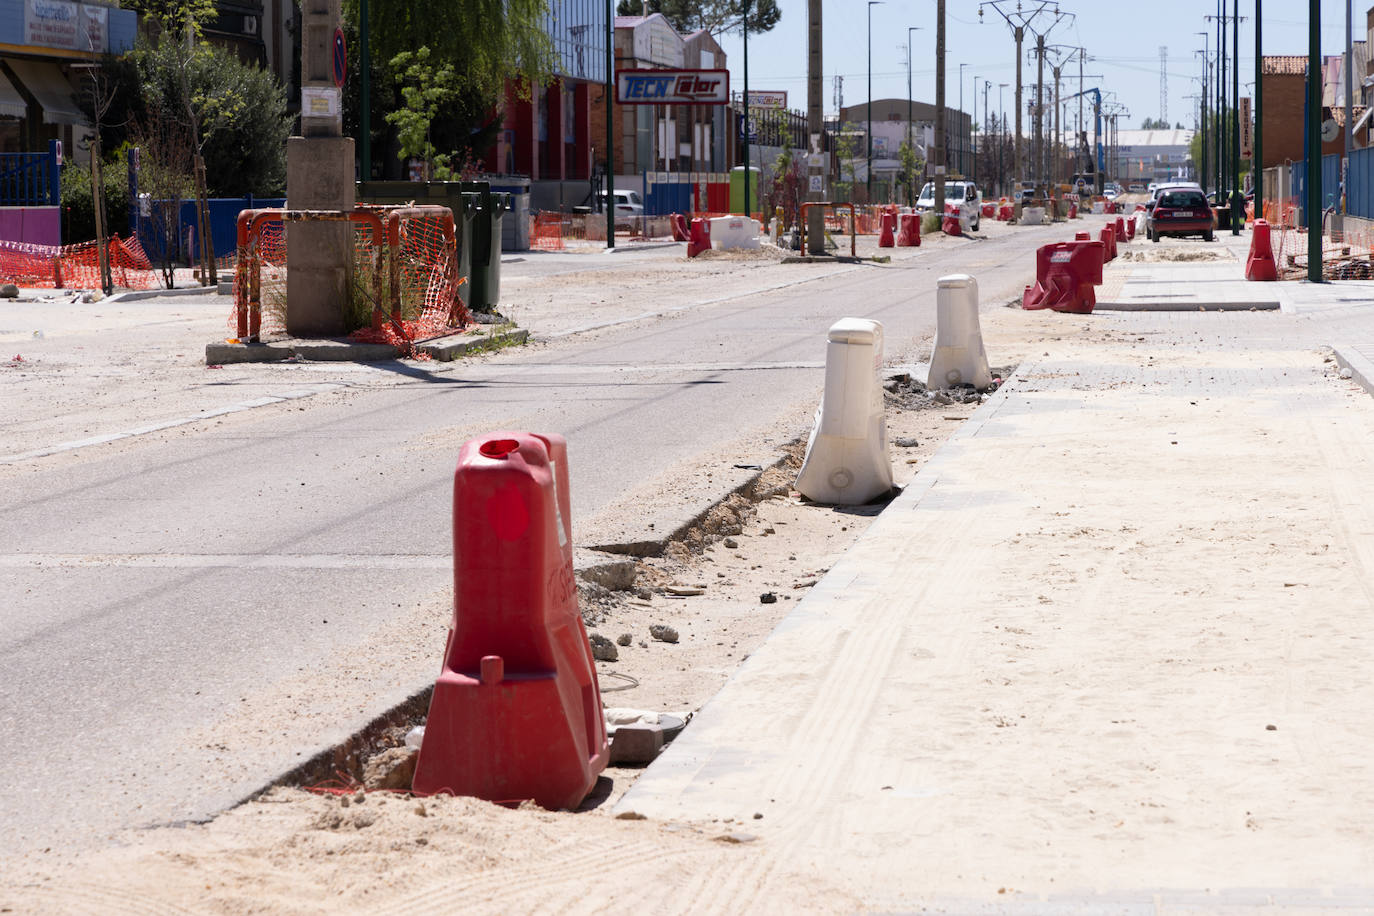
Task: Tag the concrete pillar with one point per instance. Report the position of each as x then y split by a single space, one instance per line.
582 131
319 176
521 119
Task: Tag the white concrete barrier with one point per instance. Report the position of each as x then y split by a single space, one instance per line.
734 232
1032 216
846 459
1099 206
959 357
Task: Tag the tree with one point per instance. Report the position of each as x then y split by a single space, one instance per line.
484 43
1154 124
425 89
785 188
912 168
715 16
847 146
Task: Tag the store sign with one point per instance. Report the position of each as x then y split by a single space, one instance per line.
72 26
1247 133
764 98
672 87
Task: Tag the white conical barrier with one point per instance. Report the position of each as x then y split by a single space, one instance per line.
959 357
846 459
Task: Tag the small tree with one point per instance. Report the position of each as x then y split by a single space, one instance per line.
785 188
912 168
165 152
846 153
425 90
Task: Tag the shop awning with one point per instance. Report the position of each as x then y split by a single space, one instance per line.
52 90
12 104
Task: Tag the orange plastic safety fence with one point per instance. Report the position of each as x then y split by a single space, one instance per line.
426 274
546 232
75 266
1346 254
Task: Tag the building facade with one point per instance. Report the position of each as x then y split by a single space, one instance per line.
547 131
46 48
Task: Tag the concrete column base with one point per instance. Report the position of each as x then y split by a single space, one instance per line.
319 256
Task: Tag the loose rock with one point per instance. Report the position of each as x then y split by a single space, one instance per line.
731 543
663 633
624 639
603 650
393 768
906 442
9 291
768 598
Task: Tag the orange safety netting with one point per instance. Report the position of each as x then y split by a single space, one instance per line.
405 287
546 231
1346 254
75 266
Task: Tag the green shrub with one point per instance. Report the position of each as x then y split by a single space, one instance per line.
78 210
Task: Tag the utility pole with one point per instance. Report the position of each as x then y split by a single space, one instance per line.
1206 70
1235 120
1257 166
1313 208
610 129
1001 141
939 152
815 125
869 129
1020 20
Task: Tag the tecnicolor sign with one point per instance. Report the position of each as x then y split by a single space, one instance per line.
672 87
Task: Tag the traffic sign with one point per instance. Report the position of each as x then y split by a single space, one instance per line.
340 58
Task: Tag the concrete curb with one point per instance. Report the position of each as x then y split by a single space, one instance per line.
446 349
443 349
1260 306
1361 369
141 294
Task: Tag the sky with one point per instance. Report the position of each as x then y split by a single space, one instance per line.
1122 38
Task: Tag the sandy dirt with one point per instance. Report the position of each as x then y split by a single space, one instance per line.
298 851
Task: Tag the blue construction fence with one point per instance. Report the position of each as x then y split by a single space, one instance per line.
224 214
1359 195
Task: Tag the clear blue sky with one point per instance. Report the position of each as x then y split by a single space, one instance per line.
1122 36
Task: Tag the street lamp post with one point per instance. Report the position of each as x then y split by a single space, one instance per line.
973 172
869 127
1001 141
909 47
961 115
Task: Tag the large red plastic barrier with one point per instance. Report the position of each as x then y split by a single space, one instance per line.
1005 211
1260 265
1065 275
949 225
1123 235
680 230
699 237
909 230
1109 241
989 211
886 234
516 712
1130 229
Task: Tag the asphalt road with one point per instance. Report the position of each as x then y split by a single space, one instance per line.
187 613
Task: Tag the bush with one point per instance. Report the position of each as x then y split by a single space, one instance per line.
78 210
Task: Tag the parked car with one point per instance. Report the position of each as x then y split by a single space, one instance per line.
1137 188
628 208
1178 212
1157 189
957 191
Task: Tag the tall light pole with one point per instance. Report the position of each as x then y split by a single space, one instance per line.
1313 206
909 47
869 128
1257 164
973 172
1001 141
1206 71
747 124
940 156
961 115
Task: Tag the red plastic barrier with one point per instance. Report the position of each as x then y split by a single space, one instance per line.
950 224
886 232
1065 274
1123 235
516 712
1109 241
1110 206
1073 209
680 231
1260 265
699 237
1005 212
1130 229
990 210
909 230
1082 237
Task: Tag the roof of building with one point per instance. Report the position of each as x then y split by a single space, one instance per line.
1146 138
1285 65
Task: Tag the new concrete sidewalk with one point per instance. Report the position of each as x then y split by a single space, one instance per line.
1107 653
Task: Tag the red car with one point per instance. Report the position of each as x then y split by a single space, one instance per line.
1181 212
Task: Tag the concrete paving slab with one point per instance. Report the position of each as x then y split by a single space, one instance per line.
1031 673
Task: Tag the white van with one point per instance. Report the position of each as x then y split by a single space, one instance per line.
957 191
